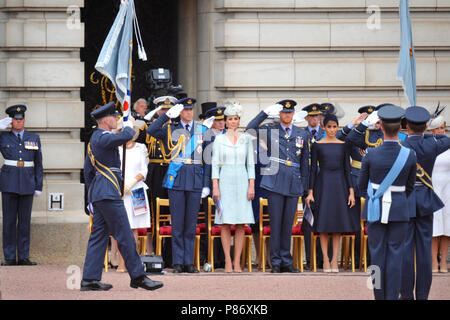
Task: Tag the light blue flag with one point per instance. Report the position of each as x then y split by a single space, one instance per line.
407 65
115 58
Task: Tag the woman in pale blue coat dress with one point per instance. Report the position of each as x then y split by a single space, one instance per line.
233 176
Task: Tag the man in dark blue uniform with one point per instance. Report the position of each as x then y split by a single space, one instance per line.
20 179
185 178
368 133
104 181
159 159
285 179
210 109
357 155
387 177
420 228
316 133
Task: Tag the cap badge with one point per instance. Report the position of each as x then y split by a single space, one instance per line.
219 111
288 104
189 101
370 109
167 101
18 109
314 108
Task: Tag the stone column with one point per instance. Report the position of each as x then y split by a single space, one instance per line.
40 67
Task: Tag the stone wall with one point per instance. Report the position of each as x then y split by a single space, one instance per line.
258 52
40 67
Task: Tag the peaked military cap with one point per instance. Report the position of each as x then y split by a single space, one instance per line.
417 115
378 107
206 106
313 109
391 113
327 108
17 111
108 109
216 112
165 102
367 109
188 103
288 105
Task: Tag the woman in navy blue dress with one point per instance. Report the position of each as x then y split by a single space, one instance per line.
331 193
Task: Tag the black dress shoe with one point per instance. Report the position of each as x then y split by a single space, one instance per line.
178 268
145 283
94 285
290 269
26 262
9 263
275 269
190 268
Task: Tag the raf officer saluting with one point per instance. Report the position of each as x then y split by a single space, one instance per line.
285 179
104 183
420 227
185 178
387 176
368 134
20 179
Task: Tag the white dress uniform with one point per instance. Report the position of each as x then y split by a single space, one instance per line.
441 184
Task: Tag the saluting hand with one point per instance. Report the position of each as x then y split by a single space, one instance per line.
360 118
150 115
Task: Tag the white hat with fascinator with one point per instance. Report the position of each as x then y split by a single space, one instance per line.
436 119
233 109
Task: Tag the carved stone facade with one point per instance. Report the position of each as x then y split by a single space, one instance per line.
252 51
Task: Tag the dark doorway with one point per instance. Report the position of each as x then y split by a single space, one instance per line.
158 24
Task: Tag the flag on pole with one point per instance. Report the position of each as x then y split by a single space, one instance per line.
407 64
115 59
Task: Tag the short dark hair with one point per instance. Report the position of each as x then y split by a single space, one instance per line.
391 128
330 117
416 127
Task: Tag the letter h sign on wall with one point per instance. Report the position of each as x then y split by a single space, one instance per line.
56 202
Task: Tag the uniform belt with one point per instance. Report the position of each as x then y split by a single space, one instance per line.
386 201
285 162
113 170
187 161
159 161
356 164
19 163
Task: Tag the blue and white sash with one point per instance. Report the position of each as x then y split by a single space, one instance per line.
373 206
177 163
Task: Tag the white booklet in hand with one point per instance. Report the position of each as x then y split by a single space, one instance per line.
140 204
308 215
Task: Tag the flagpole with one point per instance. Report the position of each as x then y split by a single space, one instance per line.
127 113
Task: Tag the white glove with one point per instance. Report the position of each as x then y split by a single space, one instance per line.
372 118
150 115
37 193
128 123
273 110
175 111
5 122
209 122
129 183
299 116
205 192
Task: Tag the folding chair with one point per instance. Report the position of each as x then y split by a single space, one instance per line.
164 230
